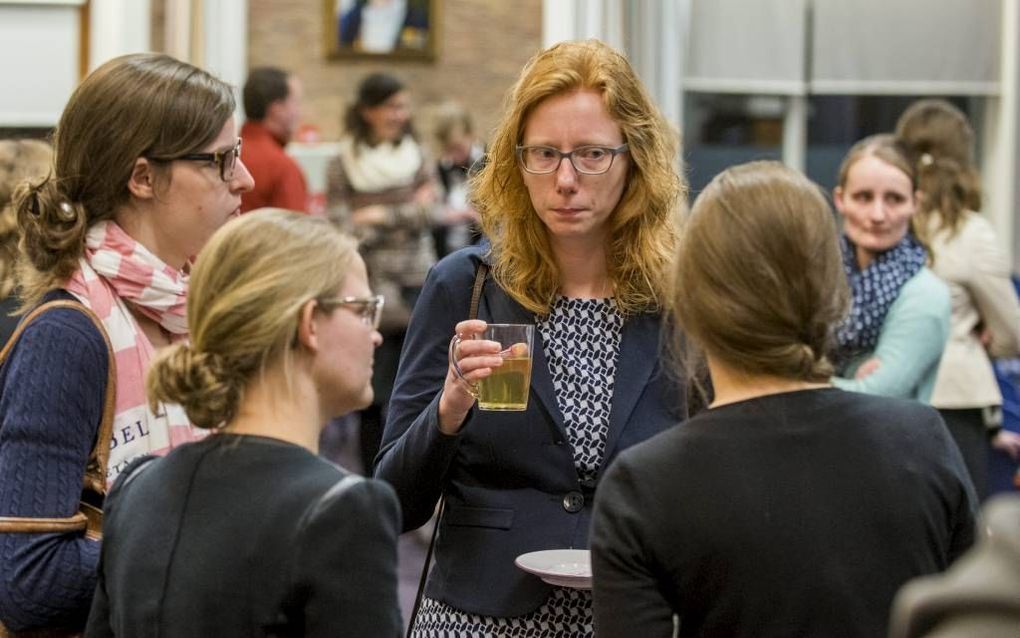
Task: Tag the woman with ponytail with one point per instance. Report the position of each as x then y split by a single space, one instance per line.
248 532
146 169
985 318
788 508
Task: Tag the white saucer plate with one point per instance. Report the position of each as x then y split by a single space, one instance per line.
561 567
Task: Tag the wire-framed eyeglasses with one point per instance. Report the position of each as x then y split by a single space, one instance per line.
226 160
368 309
587 160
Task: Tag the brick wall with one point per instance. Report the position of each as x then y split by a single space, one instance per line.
482 46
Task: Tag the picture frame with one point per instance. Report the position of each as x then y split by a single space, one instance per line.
381 29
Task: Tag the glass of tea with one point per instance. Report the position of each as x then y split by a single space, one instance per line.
508 386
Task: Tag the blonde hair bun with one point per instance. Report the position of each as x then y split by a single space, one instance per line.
201 382
247 291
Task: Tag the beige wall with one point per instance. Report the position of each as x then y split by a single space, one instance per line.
482 46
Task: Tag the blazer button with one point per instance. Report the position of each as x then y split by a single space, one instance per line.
573 502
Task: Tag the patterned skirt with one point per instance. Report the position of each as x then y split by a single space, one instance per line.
566 614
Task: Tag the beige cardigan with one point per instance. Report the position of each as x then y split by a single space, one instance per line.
976 270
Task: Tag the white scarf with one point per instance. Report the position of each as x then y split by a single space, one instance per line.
373 169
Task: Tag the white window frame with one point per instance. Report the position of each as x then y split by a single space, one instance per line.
657 28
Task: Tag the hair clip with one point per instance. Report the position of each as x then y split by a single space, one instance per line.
927 159
66 212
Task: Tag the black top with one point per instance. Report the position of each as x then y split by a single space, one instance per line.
796 514
247 536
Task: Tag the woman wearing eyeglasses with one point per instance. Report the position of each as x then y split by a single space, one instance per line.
580 197
146 170
249 532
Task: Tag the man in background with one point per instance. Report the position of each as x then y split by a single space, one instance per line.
272 105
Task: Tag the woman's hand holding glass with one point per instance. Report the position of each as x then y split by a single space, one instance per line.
470 360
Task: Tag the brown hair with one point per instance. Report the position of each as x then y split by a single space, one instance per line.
373 91
940 142
892 151
265 85
643 228
20 160
247 290
758 281
133 106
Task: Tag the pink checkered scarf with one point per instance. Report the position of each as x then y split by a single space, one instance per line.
117 271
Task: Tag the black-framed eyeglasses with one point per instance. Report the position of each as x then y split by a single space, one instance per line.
368 309
587 160
225 160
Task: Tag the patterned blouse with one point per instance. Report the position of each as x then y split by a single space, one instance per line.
581 342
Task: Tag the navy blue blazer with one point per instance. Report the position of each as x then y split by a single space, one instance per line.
509 477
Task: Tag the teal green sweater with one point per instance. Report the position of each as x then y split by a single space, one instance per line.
910 345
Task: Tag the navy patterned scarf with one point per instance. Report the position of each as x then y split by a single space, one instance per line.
874 291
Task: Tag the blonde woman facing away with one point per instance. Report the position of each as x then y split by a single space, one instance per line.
985 318
248 532
146 170
789 508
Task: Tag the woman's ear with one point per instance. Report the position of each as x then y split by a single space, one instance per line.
837 198
308 331
142 183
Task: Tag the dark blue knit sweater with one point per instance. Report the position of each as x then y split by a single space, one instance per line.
51 395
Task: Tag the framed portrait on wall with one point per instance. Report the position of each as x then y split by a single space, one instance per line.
381 28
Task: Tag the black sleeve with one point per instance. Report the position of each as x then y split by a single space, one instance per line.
99 617
99 624
960 493
628 600
347 563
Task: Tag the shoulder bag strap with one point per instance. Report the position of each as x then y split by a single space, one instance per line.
94 478
476 290
476 295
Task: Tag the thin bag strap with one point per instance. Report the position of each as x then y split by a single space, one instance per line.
476 295
476 290
94 478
